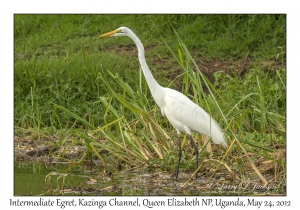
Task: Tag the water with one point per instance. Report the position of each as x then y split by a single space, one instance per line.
36 178
28 181
63 179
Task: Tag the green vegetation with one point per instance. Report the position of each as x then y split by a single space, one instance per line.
69 82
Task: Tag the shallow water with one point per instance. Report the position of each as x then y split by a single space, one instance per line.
58 179
35 178
27 181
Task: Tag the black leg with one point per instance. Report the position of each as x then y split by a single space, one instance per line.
196 151
179 157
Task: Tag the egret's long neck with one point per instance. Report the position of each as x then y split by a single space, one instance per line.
155 88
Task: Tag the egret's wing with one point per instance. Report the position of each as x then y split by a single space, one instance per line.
187 113
183 111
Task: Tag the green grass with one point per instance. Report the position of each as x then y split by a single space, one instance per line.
70 82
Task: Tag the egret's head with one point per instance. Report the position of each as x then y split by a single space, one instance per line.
122 31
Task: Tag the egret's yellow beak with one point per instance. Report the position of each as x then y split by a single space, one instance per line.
109 33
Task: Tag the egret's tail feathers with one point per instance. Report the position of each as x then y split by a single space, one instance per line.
217 135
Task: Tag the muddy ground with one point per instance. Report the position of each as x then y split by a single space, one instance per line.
151 179
241 66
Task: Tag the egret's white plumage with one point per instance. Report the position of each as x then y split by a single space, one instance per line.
183 114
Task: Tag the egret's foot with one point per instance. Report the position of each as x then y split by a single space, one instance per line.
174 177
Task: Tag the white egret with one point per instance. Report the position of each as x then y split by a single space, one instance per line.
183 114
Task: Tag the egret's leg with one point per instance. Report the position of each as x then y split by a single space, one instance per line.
179 156
196 151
